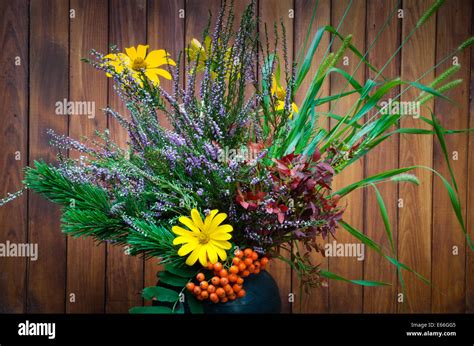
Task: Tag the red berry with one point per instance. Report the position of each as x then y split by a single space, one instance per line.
217 267
197 290
223 273
248 252
215 280
242 267
204 285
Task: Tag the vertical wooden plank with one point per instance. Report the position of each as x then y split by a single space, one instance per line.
470 200
239 8
448 270
49 24
414 226
272 11
14 151
197 17
382 158
86 261
346 297
316 300
127 25
165 31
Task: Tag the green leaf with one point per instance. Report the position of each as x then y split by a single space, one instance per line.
439 133
150 310
162 294
171 279
331 275
194 305
372 179
456 204
377 248
185 272
305 66
384 214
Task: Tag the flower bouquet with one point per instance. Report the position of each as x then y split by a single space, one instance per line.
244 177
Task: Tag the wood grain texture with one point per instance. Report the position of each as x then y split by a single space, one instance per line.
470 197
127 27
448 275
345 297
49 34
272 11
85 259
381 42
13 148
197 19
415 217
50 44
316 300
163 17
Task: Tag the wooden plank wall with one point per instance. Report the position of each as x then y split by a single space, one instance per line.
43 42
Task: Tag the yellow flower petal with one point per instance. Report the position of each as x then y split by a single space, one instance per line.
194 256
181 231
225 228
159 71
182 239
141 51
221 253
188 223
212 254
222 244
187 248
196 217
209 218
153 77
217 221
203 255
207 43
156 58
131 52
111 56
220 236
195 44
280 105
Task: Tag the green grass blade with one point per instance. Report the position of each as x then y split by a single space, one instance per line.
377 248
385 218
330 275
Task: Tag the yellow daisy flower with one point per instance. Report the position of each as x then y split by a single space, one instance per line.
197 51
280 94
137 61
204 240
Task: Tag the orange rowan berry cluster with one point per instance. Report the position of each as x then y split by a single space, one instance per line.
226 284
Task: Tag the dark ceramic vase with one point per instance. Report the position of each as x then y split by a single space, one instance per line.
262 297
